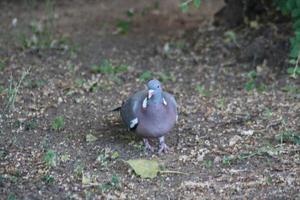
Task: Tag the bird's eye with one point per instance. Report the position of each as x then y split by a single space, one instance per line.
158 86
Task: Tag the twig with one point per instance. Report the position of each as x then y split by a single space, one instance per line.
173 172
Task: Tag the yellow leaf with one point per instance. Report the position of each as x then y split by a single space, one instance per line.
144 168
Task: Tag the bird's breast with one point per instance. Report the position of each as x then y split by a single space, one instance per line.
156 120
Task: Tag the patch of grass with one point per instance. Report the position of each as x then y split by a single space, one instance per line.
288 137
58 123
48 179
50 158
13 90
114 183
202 91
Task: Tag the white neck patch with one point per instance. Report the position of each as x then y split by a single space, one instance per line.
144 105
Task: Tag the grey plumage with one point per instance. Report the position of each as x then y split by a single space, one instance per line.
150 113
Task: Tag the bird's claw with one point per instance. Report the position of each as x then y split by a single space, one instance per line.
163 148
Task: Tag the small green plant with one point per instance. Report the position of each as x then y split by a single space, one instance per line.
50 158
145 76
106 67
124 25
252 84
184 6
58 123
48 179
202 91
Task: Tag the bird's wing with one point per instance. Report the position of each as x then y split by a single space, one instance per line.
130 109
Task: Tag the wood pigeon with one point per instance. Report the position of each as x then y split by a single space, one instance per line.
150 113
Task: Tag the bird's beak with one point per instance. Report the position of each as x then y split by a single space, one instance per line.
150 93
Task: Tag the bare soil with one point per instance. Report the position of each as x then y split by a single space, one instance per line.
230 142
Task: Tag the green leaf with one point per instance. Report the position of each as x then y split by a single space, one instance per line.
252 74
144 168
184 7
250 85
197 3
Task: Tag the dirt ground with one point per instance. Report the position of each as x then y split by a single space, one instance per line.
59 140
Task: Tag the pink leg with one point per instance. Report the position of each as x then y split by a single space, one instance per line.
147 145
162 146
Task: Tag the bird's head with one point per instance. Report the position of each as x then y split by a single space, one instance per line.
154 90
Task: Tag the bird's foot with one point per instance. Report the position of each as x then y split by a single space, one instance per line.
147 145
163 148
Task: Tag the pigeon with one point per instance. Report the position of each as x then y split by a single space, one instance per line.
150 113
